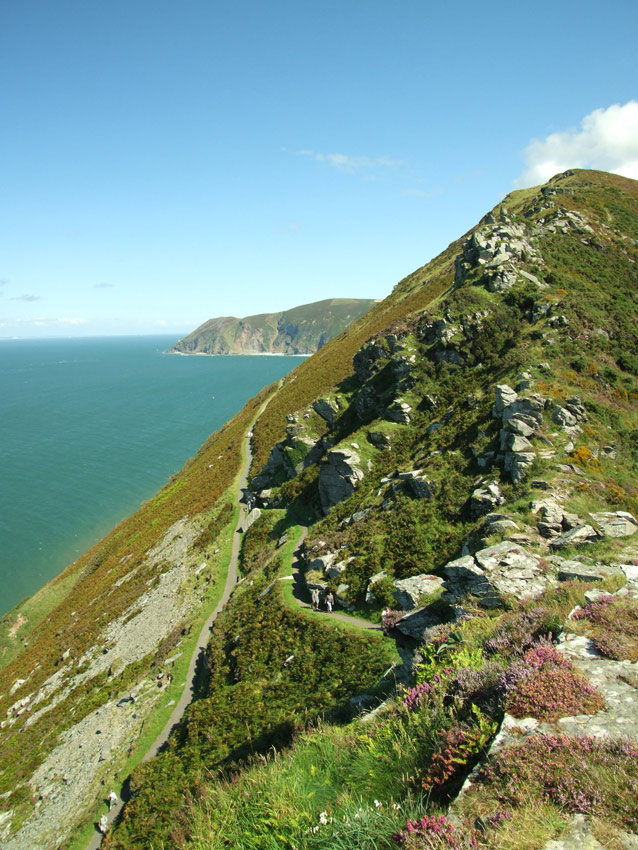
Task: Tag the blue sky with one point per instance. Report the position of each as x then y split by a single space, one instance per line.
163 162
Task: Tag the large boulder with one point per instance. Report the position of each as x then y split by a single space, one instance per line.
408 591
615 523
417 622
339 476
326 408
494 573
574 537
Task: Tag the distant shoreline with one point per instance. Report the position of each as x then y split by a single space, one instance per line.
237 354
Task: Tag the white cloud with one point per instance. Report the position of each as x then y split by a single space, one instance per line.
346 162
607 140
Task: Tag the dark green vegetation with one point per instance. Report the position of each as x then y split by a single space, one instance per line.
302 330
404 405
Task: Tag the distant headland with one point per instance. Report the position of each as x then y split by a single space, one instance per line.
301 330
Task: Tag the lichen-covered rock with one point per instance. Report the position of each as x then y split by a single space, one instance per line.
615 523
379 440
327 409
407 591
493 573
400 411
251 518
570 569
574 537
417 622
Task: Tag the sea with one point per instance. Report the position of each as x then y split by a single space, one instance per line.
90 428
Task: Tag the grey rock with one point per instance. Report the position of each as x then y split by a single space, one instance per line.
484 499
518 425
340 596
539 484
532 278
504 396
574 537
407 591
251 518
417 622
379 440
400 412
505 569
615 523
577 836
326 409
323 562
585 572
339 476
430 402
515 443
421 487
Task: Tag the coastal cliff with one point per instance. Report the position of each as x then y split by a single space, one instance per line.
301 330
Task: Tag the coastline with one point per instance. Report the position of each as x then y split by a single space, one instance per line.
238 354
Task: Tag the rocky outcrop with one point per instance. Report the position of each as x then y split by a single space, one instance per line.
615 523
497 249
484 499
339 476
494 573
408 591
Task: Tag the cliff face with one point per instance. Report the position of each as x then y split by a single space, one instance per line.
302 330
464 458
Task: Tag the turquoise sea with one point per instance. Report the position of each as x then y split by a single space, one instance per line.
89 428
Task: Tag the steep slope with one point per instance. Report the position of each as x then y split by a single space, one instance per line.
451 453
301 330
476 446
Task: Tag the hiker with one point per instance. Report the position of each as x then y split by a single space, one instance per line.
330 601
112 798
315 599
104 824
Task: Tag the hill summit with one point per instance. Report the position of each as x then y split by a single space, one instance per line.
300 330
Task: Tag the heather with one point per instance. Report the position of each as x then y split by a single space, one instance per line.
577 775
612 625
545 684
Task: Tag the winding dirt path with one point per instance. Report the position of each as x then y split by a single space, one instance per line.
204 635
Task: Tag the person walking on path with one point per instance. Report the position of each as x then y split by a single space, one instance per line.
104 824
315 599
330 601
112 798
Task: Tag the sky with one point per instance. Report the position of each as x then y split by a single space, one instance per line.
163 162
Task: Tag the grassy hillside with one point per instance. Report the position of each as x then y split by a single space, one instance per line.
477 428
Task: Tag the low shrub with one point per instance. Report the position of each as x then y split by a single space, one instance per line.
545 684
613 627
591 776
435 833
